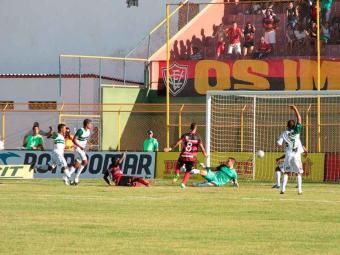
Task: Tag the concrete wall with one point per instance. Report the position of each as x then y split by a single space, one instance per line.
41 89
34 33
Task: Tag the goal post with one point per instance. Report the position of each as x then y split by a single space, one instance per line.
239 123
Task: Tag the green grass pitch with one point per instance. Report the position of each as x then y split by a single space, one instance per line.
46 217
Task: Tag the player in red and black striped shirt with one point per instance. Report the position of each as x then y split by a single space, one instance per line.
117 175
191 142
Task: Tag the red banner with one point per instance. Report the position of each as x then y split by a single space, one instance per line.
332 167
195 78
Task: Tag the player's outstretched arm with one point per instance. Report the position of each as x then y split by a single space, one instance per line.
282 157
203 150
122 158
297 114
173 146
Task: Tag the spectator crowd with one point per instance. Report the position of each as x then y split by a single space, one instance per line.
298 20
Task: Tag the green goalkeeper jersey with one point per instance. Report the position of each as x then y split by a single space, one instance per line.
222 176
225 174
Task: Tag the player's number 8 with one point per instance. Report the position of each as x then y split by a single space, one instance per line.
188 148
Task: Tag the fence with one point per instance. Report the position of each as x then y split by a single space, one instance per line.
124 126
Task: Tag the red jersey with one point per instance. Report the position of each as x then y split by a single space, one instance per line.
264 47
234 35
190 143
116 173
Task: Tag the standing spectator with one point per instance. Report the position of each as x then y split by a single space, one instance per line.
326 6
69 146
93 142
290 40
263 49
42 133
336 29
313 37
234 35
325 33
150 143
313 12
292 15
220 41
2 145
300 38
196 55
303 8
269 24
34 141
249 39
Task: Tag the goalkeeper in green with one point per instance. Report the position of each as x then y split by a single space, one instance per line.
218 177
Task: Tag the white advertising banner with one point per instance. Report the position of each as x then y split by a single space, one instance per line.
136 163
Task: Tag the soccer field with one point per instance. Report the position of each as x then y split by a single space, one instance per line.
46 217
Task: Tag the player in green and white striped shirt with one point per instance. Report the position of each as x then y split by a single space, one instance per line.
80 141
57 156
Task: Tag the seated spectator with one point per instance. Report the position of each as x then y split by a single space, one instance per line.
326 6
196 55
263 49
220 41
325 33
269 23
249 39
292 15
34 141
234 35
69 146
42 133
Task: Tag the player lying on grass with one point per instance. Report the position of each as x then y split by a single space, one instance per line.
290 139
191 142
117 175
219 177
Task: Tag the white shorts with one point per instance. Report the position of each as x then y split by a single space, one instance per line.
58 159
234 47
281 166
80 154
293 163
270 37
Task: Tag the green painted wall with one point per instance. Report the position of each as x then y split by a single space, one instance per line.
113 95
133 126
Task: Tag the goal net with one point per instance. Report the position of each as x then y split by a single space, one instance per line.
239 123
75 121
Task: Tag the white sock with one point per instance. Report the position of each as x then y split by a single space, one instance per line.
299 183
76 178
67 173
284 183
43 167
278 178
72 170
204 184
195 171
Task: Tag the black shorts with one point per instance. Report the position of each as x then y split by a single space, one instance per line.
248 44
189 165
126 181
